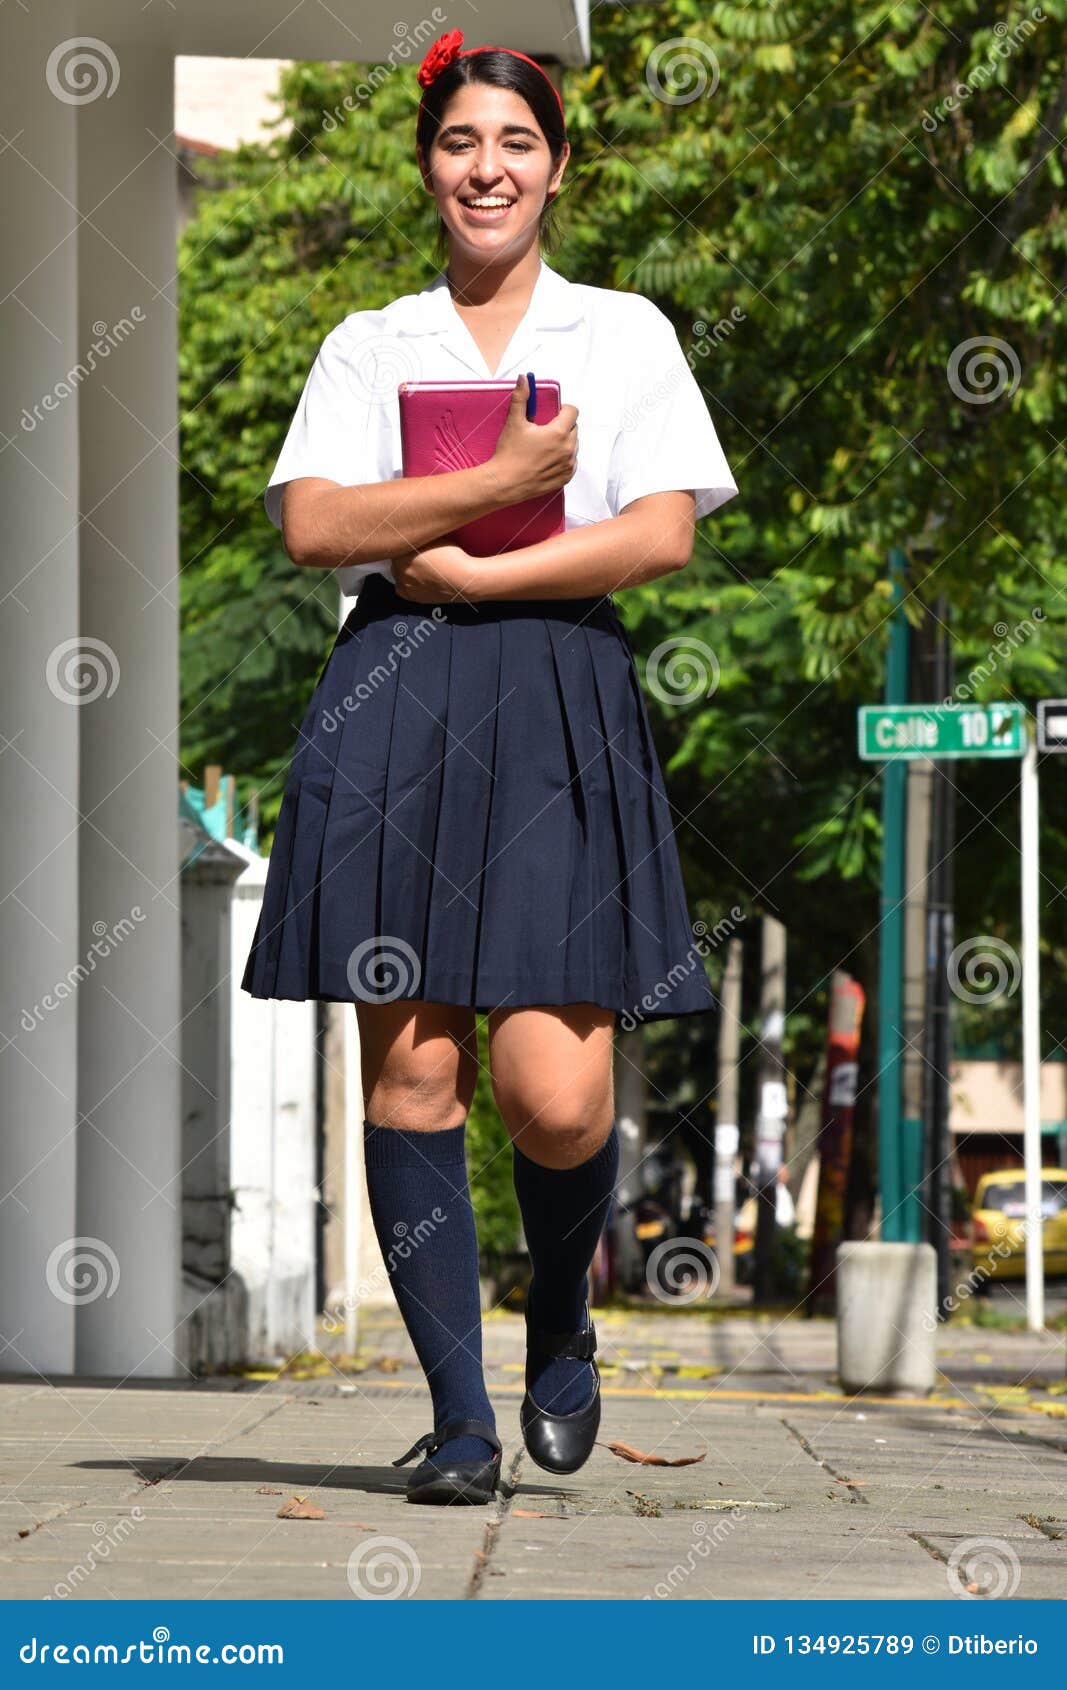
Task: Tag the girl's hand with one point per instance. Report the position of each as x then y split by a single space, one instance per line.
436 574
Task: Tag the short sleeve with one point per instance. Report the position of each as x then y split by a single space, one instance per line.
334 431
666 440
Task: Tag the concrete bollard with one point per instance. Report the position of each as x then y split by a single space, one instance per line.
886 1316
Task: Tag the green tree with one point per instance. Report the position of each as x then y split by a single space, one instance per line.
855 219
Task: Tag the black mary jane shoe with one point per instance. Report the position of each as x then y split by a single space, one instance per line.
459 1481
561 1443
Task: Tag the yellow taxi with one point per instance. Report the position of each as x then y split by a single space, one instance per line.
998 1238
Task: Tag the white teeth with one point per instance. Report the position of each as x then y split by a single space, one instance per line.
488 204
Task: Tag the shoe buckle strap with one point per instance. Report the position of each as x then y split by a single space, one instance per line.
431 1441
581 1346
427 1442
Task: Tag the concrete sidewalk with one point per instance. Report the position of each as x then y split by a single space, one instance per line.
173 1491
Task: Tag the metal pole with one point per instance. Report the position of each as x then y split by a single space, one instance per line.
891 928
770 1127
937 1035
1035 1263
726 1120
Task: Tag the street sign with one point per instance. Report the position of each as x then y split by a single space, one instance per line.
941 730
1052 724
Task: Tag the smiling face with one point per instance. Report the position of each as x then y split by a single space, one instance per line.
491 171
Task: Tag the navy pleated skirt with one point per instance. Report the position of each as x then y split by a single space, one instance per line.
475 814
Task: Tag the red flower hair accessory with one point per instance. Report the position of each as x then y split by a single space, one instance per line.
441 53
448 47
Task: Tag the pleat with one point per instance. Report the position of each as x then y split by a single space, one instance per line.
474 814
528 862
594 932
314 774
460 848
351 964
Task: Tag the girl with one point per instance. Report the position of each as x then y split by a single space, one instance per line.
475 818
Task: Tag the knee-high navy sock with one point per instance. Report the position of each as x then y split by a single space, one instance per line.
563 1215
421 1207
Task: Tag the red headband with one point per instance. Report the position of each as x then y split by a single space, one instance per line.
447 47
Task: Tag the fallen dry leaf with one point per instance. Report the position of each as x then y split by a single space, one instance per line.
388 1364
299 1508
532 1514
267 1490
626 1452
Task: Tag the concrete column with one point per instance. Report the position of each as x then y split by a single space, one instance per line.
129 1163
39 739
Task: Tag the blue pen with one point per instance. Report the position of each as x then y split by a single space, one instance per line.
531 402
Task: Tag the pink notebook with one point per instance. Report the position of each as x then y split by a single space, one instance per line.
448 425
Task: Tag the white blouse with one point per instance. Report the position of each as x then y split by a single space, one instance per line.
643 426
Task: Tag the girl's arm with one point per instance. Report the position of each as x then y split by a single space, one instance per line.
651 537
326 525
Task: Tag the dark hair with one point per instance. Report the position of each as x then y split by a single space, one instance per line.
498 70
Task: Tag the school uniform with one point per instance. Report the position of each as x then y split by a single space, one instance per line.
475 811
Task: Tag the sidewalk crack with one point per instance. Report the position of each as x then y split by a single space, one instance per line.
854 1495
501 1509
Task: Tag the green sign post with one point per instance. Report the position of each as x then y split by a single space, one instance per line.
889 731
